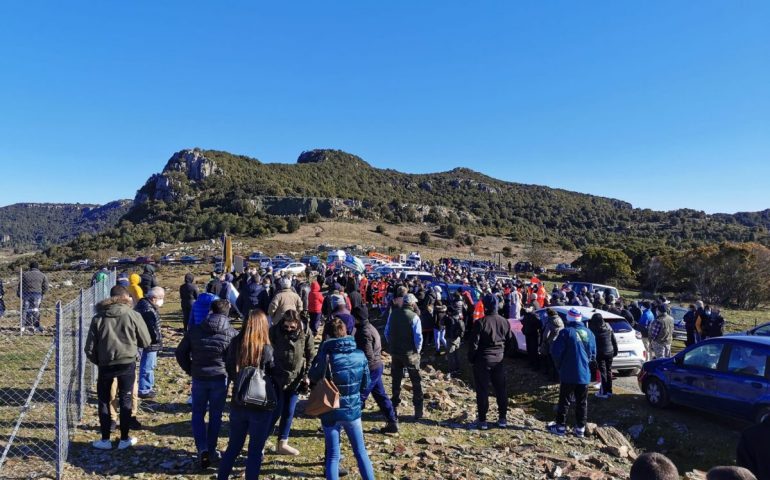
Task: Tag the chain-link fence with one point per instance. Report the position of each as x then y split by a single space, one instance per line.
44 376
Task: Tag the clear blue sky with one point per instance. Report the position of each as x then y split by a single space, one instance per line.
663 104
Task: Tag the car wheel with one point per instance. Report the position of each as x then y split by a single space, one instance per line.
656 393
762 414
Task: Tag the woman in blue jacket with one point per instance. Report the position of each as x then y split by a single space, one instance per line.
350 373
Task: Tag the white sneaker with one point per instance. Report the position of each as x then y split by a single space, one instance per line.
124 444
102 444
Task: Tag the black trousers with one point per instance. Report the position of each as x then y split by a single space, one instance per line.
412 364
690 338
569 392
483 373
605 370
533 344
125 375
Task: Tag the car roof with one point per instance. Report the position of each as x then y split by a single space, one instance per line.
586 312
748 339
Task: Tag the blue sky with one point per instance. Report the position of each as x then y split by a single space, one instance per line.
662 104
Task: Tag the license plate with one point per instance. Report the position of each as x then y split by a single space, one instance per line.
624 354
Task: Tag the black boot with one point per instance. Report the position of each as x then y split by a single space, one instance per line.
390 427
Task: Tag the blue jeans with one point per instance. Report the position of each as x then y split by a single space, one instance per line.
287 403
377 390
256 424
147 371
355 432
207 396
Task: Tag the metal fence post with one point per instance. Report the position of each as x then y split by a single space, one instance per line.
21 301
81 362
60 407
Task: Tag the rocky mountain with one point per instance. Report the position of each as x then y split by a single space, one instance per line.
44 224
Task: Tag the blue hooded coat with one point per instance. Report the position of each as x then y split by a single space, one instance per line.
572 351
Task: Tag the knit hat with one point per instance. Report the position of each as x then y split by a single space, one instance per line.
284 283
574 315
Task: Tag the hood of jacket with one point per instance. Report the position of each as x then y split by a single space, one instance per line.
345 344
314 287
134 279
215 323
113 307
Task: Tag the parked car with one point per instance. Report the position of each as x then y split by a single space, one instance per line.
255 256
126 261
410 274
113 260
189 259
295 268
523 267
594 287
167 259
680 332
760 331
631 351
726 376
143 260
567 269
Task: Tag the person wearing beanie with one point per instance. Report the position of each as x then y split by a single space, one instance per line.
286 299
490 339
653 466
661 333
340 311
368 341
403 331
573 351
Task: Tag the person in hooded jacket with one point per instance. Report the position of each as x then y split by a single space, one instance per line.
454 331
315 300
188 293
293 349
340 310
148 280
553 325
439 328
253 297
606 350
285 299
350 373
134 289
368 341
202 354
149 308
351 289
532 328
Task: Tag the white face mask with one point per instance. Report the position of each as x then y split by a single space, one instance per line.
159 302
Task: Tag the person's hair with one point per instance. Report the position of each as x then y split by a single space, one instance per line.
291 316
119 291
156 292
34 265
692 306
338 328
255 337
730 473
221 307
653 466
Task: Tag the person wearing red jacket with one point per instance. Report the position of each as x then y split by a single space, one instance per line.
315 300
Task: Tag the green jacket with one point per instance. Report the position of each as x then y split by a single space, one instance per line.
115 334
292 357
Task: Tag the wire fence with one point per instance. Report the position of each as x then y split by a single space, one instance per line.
44 376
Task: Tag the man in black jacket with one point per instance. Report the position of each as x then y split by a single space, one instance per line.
753 448
149 307
188 293
490 338
33 286
454 325
368 341
147 279
202 354
532 329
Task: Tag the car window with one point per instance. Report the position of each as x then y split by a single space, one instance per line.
763 331
747 360
705 356
620 326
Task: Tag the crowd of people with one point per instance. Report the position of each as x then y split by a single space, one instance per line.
299 333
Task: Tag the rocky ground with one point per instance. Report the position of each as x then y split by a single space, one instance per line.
441 446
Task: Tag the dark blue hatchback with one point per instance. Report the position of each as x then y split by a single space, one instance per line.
726 375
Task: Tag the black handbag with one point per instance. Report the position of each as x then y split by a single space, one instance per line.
255 390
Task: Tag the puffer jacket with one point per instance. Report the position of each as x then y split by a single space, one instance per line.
286 299
315 299
203 350
368 341
553 325
350 373
201 308
572 351
133 287
152 320
188 292
292 357
253 296
148 279
606 343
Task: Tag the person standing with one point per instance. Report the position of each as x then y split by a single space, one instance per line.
149 308
188 293
454 326
645 321
491 335
368 341
202 354
315 300
34 285
573 352
403 331
532 328
250 348
253 296
350 373
134 289
439 329
285 299
148 280
2 302
553 325
661 333
116 332
606 350
292 344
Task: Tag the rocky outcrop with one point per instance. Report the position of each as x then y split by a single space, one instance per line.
193 164
189 165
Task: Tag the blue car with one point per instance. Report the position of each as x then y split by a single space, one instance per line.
727 375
